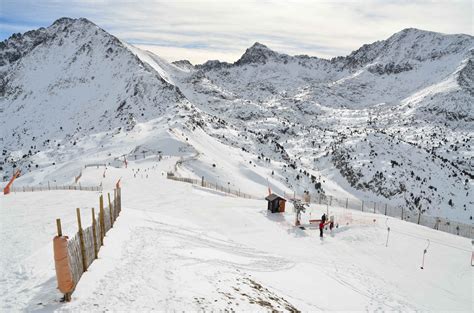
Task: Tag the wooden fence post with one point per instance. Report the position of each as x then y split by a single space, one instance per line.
362 205
110 203
115 197
385 209
374 206
119 196
347 202
94 234
111 209
81 240
58 226
101 219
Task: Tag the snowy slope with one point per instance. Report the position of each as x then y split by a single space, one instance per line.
177 247
392 122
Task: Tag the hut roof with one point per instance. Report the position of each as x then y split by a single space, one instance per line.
273 197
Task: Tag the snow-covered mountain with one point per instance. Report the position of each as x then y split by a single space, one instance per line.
391 122
69 81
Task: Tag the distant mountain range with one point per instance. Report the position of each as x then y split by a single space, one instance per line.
392 121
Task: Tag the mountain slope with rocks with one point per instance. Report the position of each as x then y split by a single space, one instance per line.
69 81
392 122
394 118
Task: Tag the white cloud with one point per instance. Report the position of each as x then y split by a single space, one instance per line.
210 29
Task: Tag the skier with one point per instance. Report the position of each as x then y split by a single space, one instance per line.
323 218
321 226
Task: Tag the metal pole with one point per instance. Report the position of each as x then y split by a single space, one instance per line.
424 252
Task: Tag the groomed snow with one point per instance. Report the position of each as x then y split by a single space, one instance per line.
179 247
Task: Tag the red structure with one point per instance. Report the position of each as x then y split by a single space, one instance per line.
6 190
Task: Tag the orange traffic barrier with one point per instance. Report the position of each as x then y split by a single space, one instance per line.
61 263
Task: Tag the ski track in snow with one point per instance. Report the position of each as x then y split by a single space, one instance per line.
158 262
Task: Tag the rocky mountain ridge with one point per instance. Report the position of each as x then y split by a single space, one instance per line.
392 121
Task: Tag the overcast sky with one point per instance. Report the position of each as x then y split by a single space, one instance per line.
223 29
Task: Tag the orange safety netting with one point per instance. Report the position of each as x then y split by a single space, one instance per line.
61 263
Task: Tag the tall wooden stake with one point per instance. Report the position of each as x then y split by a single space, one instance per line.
114 207
81 240
111 209
58 226
94 234
120 198
101 219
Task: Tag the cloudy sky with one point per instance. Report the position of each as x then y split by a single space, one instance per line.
222 29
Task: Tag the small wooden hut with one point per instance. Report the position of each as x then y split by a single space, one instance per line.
275 203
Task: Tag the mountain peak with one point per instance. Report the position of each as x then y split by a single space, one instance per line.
257 53
75 22
63 20
258 46
19 45
409 46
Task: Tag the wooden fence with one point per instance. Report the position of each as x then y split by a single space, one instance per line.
55 187
95 165
400 212
206 184
438 223
84 246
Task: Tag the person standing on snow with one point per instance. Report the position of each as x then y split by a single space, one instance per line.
323 218
321 226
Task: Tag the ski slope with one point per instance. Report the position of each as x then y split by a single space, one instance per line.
179 247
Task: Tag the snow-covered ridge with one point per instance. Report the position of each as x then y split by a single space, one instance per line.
391 122
72 80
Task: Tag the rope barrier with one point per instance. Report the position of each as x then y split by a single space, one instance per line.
435 241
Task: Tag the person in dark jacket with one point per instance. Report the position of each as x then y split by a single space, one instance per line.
323 218
321 226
